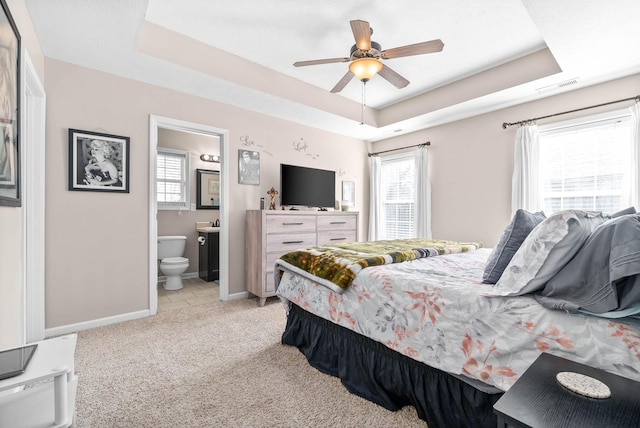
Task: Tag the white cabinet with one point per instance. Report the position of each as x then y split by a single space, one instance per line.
47 403
269 234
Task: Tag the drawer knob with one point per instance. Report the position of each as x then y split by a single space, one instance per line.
338 222
292 242
292 224
338 239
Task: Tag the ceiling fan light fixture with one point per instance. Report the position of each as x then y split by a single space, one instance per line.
365 68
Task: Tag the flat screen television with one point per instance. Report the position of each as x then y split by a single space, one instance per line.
308 187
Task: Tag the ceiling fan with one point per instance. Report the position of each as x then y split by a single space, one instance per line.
366 55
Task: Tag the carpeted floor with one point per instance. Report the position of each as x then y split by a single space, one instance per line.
219 364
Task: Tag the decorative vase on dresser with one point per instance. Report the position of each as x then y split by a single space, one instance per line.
270 234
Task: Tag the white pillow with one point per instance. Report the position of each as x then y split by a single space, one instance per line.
547 249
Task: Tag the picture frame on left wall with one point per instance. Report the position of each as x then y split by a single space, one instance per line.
98 162
10 185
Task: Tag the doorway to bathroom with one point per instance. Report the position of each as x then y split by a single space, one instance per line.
160 126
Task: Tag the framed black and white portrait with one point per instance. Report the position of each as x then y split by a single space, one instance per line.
9 109
98 162
248 167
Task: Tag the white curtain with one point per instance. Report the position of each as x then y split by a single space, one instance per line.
635 173
524 190
374 198
422 220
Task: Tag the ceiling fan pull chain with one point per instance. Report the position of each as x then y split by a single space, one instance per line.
364 85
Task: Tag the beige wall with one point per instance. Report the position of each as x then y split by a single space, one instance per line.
471 161
11 279
97 243
11 218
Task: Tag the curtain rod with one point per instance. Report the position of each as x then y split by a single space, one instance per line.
428 143
505 125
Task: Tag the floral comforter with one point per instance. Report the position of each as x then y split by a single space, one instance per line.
337 265
433 310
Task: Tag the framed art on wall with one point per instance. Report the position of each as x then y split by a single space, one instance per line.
9 109
349 193
248 167
98 162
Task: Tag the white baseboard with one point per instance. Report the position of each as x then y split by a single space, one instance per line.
238 296
72 328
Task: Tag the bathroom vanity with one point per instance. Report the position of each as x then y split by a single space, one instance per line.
209 253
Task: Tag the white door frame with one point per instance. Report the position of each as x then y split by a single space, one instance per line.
32 142
156 122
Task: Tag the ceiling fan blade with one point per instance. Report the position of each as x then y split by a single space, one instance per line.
319 61
362 34
392 77
415 49
342 83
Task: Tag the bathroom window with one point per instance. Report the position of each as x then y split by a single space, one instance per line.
172 177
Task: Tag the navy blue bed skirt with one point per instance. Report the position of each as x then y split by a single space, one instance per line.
385 377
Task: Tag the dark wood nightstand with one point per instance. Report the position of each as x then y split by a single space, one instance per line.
537 399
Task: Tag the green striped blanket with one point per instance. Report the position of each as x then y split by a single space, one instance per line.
339 263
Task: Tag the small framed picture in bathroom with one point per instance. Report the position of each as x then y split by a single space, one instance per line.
98 162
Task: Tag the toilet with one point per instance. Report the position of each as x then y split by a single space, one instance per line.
172 264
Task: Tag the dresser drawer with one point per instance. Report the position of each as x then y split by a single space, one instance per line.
290 224
286 243
271 259
337 222
336 237
269 285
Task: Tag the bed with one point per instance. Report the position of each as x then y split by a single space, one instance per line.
425 324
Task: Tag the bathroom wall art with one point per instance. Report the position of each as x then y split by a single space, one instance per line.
9 109
98 162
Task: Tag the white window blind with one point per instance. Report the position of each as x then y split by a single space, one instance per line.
587 164
172 168
397 184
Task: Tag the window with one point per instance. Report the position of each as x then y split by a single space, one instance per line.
587 164
172 179
397 185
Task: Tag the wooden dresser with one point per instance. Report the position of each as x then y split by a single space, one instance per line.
270 234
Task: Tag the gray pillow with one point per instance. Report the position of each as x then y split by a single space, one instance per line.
630 210
547 249
521 225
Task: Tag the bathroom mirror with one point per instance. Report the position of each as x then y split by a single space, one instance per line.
207 189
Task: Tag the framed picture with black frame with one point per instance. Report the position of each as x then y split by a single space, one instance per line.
98 162
10 194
